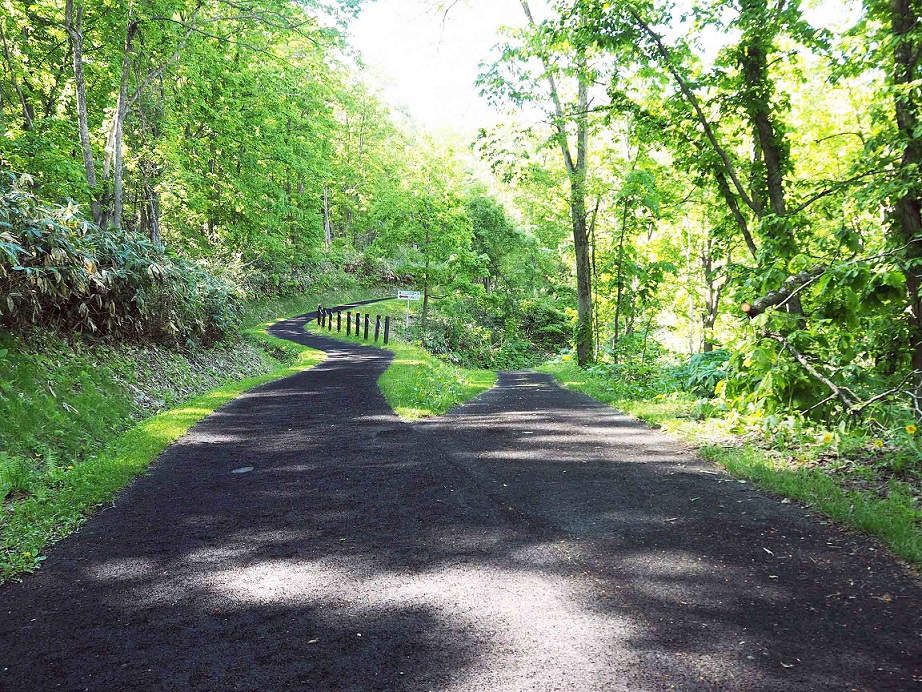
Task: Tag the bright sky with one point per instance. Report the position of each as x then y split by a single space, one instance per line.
428 64
427 61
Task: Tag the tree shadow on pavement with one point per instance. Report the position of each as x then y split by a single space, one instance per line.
529 540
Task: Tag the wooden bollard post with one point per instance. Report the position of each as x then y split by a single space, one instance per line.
348 323
329 320
367 320
387 328
319 312
323 317
339 321
377 327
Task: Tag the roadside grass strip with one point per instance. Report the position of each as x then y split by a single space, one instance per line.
30 526
895 520
417 384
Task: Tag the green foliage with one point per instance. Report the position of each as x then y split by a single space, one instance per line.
417 384
67 408
15 476
703 371
495 331
61 271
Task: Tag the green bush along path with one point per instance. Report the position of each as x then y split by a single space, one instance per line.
305 537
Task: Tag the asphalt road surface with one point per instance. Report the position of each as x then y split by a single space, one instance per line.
532 539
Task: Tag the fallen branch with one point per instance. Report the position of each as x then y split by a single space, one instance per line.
852 404
791 287
841 393
890 392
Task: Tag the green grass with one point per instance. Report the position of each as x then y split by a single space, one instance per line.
417 384
895 520
51 493
278 308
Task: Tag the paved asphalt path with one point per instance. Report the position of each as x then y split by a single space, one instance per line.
529 540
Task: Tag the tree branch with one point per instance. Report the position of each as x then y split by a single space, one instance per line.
842 394
693 101
792 285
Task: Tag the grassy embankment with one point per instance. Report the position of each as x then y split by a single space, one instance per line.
80 419
893 516
417 384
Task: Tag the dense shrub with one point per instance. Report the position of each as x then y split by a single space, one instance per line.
57 269
495 331
703 371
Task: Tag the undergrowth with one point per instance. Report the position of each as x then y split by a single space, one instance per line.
80 418
416 384
841 473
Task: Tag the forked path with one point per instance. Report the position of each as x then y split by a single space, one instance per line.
530 540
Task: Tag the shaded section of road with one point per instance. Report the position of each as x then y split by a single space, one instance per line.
723 586
530 540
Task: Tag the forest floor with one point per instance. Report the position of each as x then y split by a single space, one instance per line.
305 537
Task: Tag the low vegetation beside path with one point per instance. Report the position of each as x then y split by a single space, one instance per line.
80 418
838 473
417 384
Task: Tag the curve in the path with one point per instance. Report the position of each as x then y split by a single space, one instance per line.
531 539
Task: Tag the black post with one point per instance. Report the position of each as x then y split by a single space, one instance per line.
339 321
319 311
323 317
387 328
367 319
348 323
377 327
329 320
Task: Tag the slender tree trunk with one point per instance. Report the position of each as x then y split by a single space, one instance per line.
74 25
113 164
724 187
584 349
906 215
576 172
595 276
687 240
619 281
770 145
28 113
150 213
584 336
712 293
327 227
426 270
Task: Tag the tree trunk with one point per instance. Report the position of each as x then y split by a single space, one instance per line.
712 294
584 349
619 281
576 172
327 228
150 214
724 187
425 314
113 164
769 145
906 215
28 113
74 26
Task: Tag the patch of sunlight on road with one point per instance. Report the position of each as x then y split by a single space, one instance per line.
532 623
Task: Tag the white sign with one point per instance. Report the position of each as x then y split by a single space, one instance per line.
409 295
